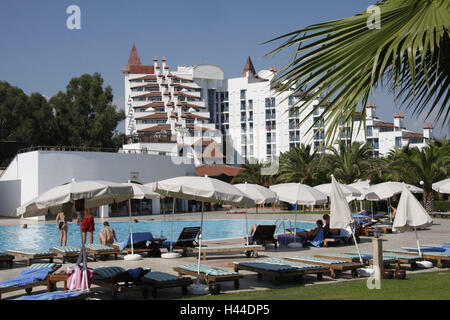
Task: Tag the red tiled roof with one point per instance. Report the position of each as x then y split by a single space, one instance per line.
371 105
139 69
150 94
248 67
134 57
398 115
179 78
151 76
151 104
148 85
188 105
428 126
413 135
212 152
217 169
384 124
161 115
158 127
203 142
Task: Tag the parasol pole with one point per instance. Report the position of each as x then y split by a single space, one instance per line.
418 244
200 245
131 227
171 226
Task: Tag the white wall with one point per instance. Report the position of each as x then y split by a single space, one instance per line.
39 171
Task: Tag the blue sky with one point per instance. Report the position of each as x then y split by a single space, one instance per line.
39 54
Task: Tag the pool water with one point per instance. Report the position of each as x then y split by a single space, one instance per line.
45 236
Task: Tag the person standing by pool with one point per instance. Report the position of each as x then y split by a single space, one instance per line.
62 226
87 221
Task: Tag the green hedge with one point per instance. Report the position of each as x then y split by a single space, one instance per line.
441 206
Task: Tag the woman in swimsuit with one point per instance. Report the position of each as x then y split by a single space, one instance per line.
62 226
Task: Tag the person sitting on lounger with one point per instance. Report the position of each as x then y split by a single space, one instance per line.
108 235
327 231
311 234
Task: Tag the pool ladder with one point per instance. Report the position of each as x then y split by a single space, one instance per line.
281 224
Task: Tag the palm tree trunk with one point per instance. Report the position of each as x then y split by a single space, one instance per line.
428 199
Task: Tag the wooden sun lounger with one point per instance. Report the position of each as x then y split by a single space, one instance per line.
32 256
159 280
121 282
386 228
279 269
7 258
443 215
335 266
387 261
404 259
102 252
65 255
247 249
29 287
439 257
209 277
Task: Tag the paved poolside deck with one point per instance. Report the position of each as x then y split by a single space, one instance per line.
438 233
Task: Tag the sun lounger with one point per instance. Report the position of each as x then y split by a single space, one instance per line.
118 279
59 295
443 215
279 269
334 265
427 248
66 253
159 280
4 257
334 239
264 234
439 257
94 250
140 243
31 255
209 274
398 258
367 258
186 240
247 249
33 276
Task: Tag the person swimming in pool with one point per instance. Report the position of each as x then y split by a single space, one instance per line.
62 226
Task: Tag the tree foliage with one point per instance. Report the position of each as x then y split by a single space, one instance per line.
83 116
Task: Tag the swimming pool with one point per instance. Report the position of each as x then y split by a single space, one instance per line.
45 236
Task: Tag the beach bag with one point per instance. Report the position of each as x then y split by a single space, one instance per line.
79 278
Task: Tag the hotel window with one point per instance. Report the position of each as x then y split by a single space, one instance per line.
272 100
398 142
369 131
250 104
243 94
250 116
267 102
242 104
290 101
243 116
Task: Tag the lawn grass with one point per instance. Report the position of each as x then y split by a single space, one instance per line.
419 286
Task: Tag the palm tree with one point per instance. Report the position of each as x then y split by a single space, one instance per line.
349 162
253 173
340 62
299 165
430 164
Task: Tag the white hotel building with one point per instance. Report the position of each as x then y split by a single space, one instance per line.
245 110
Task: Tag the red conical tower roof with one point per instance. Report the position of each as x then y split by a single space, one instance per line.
248 67
134 57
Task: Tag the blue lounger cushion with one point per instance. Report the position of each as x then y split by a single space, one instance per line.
318 239
315 259
67 249
298 265
137 237
105 273
162 276
27 276
54 295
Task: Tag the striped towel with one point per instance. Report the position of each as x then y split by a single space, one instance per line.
104 273
42 265
267 266
67 249
98 247
32 252
214 271
314 259
298 265
243 246
161 276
